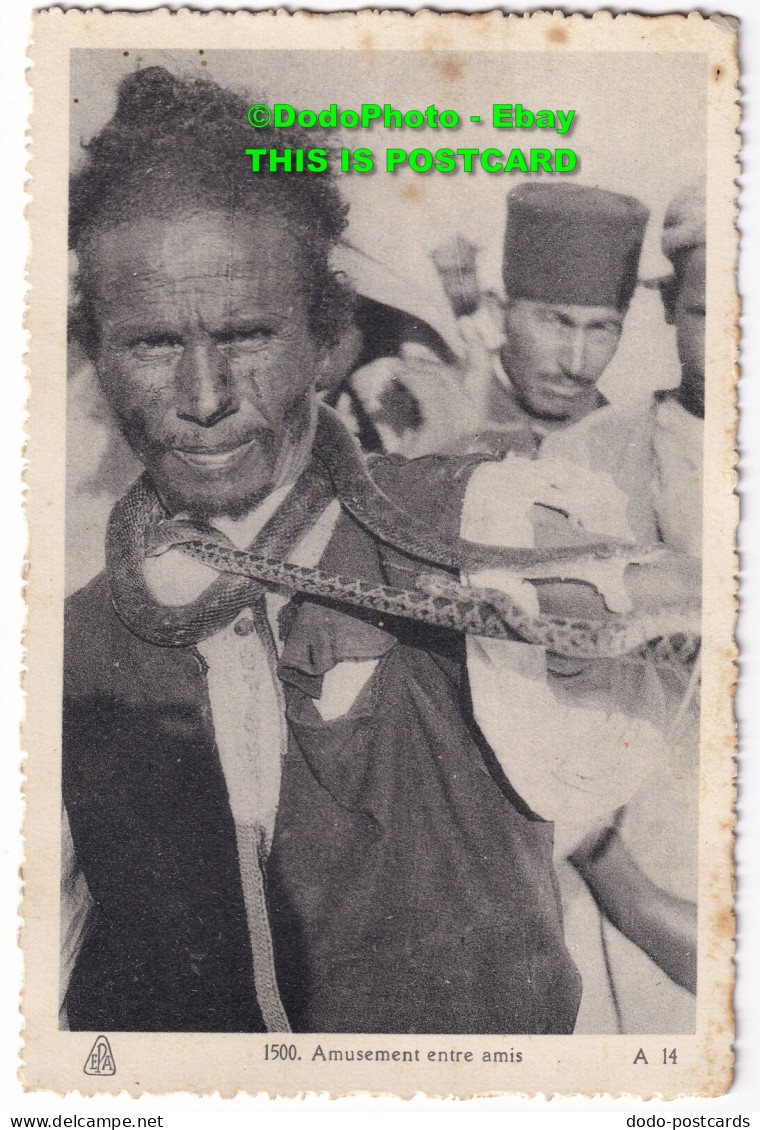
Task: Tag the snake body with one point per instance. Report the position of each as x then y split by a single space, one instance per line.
137 529
440 602
389 523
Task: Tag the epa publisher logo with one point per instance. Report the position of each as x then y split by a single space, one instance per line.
100 1061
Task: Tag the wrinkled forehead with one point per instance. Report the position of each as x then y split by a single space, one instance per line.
203 250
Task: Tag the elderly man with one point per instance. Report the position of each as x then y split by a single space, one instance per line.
571 257
282 815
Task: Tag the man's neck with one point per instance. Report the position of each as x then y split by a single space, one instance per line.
243 530
175 579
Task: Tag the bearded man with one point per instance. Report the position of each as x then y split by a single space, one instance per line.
283 816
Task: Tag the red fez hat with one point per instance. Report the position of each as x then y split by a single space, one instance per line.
571 244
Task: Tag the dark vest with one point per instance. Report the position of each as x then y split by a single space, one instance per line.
409 888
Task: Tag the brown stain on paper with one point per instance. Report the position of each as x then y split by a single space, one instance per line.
450 70
414 193
557 35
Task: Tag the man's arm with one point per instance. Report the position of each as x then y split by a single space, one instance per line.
662 925
578 751
674 579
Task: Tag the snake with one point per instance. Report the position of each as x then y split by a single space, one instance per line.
139 528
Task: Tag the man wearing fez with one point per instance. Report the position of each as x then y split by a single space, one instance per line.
653 449
571 256
280 815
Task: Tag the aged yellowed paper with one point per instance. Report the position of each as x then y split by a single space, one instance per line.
380 645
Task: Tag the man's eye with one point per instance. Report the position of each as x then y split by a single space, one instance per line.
603 330
550 317
157 345
252 338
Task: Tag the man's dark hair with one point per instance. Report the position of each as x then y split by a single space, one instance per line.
176 142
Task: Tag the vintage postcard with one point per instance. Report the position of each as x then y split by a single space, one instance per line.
381 655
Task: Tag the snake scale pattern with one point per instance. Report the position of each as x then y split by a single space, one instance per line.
447 604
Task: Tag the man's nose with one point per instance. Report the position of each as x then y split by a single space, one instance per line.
574 353
204 392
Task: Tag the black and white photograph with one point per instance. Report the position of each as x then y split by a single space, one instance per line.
382 484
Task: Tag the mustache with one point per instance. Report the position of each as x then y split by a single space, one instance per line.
135 427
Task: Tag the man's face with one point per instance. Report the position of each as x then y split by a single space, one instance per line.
205 352
688 315
554 354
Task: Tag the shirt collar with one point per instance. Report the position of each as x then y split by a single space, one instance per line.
176 579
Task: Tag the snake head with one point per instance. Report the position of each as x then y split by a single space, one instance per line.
176 532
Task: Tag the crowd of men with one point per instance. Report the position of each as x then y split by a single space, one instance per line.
284 814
